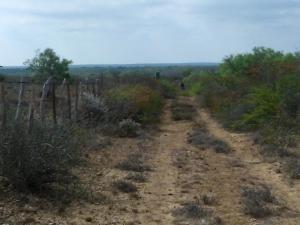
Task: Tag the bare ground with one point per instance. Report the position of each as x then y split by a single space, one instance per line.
181 174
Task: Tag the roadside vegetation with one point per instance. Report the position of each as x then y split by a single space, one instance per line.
257 91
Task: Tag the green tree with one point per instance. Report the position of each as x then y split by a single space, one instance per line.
47 64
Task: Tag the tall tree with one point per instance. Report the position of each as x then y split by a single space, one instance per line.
48 64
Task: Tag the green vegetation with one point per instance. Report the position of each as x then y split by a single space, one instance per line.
47 64
143 104
258 91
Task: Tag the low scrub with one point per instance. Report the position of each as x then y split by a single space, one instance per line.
194 211
201 138
124 186
142 103
137 177
135 163
259 201
182 111
129 128
45 155
257 91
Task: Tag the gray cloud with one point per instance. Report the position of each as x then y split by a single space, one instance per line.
130 31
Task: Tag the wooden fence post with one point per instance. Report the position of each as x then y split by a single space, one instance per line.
31 110
87 85
76 100
44 95
80 92
4 109
69 101
54 104
97 88
21 91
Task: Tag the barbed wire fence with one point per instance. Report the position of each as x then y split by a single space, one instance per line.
50 102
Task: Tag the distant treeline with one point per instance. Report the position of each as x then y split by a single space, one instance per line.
176 70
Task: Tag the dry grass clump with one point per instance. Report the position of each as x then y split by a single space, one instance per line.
182 111
258 201
201 137
196 213
292 167
134 163
137 177
124 186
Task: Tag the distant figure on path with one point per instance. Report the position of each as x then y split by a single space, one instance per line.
182 86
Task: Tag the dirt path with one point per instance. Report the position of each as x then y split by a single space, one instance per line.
184 174
161 193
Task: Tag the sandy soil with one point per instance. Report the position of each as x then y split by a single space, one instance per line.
181 173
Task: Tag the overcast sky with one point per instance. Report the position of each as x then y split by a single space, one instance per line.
145 31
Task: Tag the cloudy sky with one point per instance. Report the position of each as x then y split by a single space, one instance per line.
145 31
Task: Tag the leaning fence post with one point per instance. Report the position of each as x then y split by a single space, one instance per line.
44 94
4 109
21 91
31 110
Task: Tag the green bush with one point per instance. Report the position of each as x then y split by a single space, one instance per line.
266 107
168 89
143 104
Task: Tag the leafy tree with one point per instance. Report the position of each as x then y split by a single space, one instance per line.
46 64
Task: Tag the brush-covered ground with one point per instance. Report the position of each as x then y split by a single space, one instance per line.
188 171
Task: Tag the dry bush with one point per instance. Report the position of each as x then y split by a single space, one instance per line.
124 186
33 160
258 201
197 214
137 177
129 128
292 167
134 163
182 111
201 137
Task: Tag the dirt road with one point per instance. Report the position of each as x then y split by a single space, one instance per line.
187 184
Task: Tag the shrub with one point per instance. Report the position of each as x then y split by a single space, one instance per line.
137 177
31 160
129 128
125 186
258 201
144 104
266 104
168 89
93 109
134 163
182 111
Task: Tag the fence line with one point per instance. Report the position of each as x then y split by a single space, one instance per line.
52 94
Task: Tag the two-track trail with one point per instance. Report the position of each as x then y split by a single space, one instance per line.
183 173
